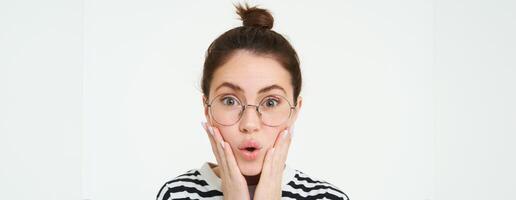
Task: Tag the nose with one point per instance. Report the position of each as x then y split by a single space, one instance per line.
250 121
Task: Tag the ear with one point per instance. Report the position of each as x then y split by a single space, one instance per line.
298 108
299 102
206 109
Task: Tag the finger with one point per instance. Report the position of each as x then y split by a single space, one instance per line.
282 137
279 138
212 142
231 161
230 157
282 144
267 163
210 137
277 145
285 145
220 148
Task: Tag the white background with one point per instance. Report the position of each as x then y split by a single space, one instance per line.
403 100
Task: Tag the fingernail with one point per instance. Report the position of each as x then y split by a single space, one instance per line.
222 144
202 124
272 151
211 130
285 134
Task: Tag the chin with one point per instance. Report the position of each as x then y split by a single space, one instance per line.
250 168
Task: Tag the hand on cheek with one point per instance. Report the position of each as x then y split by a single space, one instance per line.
234 185
269 187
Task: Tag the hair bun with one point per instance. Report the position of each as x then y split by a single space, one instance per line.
254 16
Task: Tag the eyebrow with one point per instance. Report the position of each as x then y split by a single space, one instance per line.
263 90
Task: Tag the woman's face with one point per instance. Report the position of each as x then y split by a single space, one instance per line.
251 73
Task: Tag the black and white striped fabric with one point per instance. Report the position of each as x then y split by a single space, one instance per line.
204 184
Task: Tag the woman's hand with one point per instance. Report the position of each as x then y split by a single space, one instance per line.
269 187
234 185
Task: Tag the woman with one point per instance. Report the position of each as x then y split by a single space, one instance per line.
251 84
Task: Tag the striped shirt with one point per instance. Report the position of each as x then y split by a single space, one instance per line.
204 184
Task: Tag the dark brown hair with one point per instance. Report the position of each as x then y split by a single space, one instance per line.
256 37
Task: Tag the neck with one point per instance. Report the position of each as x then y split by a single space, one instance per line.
252 180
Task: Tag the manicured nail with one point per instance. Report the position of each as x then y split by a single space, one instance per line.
285 134
211 130
203 124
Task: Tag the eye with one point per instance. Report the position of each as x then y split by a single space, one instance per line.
229 101
271 102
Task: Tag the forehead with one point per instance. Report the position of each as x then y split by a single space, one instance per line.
251 73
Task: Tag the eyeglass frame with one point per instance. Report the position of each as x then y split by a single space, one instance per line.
244 106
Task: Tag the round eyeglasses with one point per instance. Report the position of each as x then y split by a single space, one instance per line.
227 109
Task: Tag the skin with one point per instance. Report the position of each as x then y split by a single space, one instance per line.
251 73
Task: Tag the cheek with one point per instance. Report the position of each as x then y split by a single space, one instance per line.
272 136
228 134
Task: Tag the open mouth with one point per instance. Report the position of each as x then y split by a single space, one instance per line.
250 149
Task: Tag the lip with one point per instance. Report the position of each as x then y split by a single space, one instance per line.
250 155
